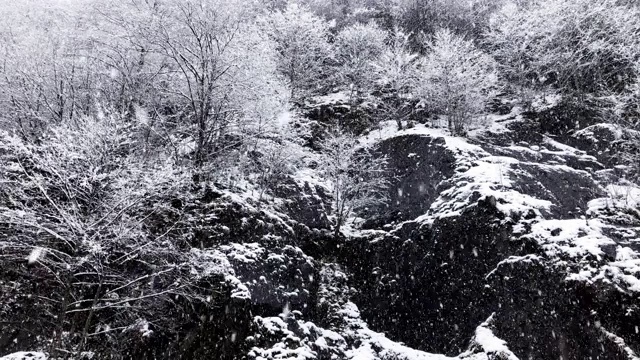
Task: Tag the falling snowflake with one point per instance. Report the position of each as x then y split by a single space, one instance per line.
35 255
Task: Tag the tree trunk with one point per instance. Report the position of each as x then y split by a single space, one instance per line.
336 233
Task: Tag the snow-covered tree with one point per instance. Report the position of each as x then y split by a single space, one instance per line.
395 72
132 75
457 79
357 176
303 47
348 12
632 100
199 73
581 46
468 18
46 70
222 69
357 46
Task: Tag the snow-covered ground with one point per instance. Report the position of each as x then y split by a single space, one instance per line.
356 341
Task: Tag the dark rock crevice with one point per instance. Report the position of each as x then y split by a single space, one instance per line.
417 164
425 285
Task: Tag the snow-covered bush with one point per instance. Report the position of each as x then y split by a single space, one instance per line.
273 162
84 211
457 79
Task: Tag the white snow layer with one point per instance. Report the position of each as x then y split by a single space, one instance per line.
25 355
491 344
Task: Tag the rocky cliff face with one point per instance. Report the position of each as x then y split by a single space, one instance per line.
507 245
523 236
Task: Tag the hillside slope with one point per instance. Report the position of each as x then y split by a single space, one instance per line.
507 245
